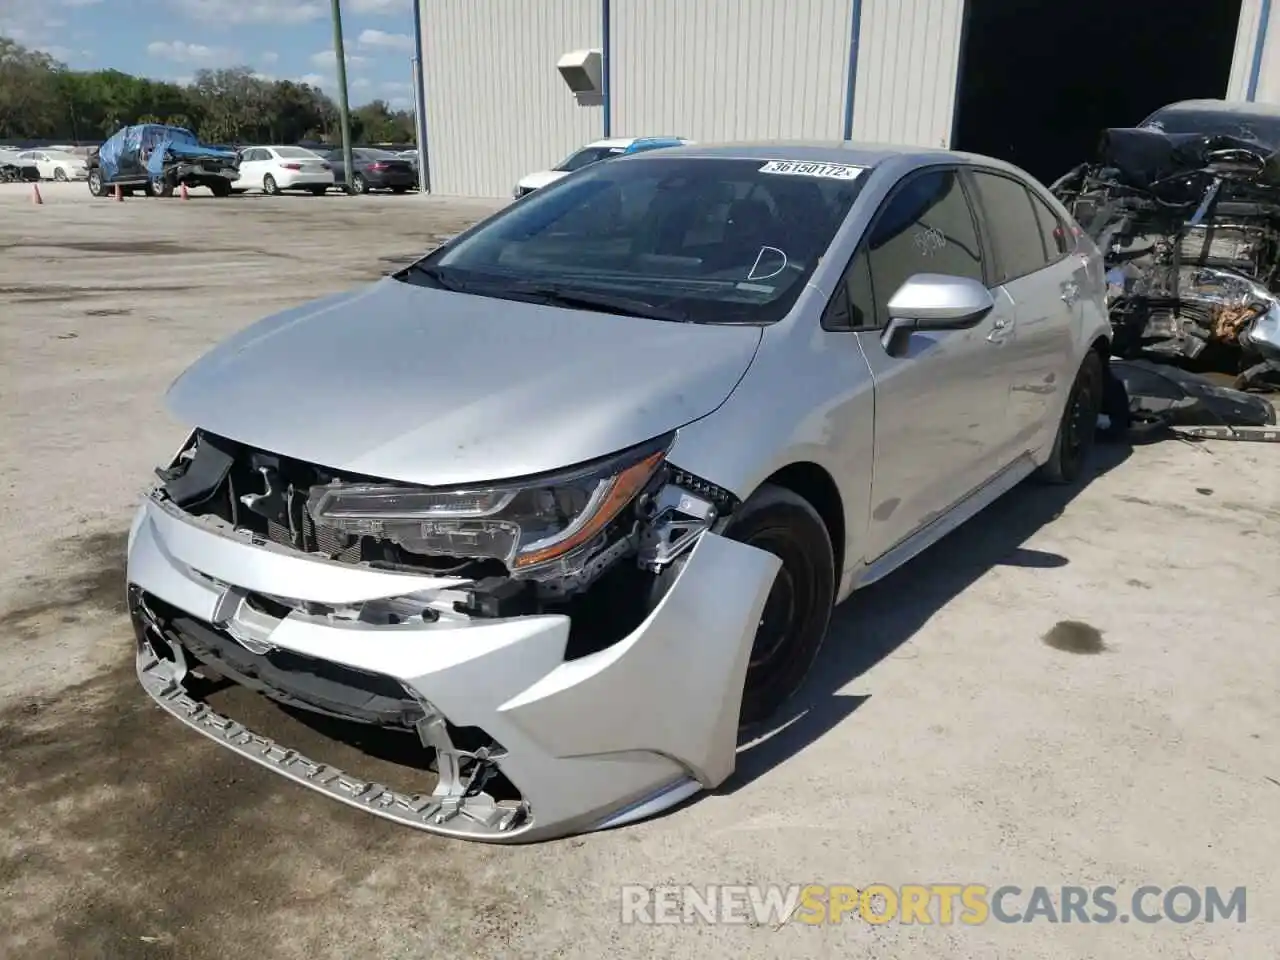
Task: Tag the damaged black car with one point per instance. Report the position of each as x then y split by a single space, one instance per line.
1186 209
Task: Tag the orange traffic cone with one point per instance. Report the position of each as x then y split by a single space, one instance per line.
119 192
35 194
184 192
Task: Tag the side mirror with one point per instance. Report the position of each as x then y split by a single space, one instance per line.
934 301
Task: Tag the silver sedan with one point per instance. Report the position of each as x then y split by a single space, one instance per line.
570 499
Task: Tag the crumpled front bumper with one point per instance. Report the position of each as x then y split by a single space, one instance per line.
590 743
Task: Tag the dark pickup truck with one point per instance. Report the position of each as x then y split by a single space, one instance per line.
158 159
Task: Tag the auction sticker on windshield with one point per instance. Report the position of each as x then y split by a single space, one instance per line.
832 171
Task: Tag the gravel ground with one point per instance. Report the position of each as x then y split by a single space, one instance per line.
1072 690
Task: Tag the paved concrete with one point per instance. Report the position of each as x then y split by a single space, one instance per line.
944 739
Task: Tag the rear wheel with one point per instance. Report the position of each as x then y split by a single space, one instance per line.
160 187
359 184
59 174
269 186
96 186
794 621
1078 427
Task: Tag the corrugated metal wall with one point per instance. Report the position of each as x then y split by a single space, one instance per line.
729 69
497 107
1242 59
908 56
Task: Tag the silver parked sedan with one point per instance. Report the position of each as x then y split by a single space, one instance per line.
570 499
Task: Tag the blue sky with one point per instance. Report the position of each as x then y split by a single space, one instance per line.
172 39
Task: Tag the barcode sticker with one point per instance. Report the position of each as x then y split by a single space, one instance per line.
797 168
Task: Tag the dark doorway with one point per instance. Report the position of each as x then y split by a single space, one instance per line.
1041 79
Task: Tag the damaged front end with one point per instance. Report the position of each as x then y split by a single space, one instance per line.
569 649
1189 225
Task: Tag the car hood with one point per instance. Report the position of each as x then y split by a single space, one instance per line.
428 386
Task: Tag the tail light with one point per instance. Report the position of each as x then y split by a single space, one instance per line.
291 166
378 166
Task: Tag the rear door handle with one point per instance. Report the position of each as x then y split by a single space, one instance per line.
999 330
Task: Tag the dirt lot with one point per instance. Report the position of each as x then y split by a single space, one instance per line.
945 739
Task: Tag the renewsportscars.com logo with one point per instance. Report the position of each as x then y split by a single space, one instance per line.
928 904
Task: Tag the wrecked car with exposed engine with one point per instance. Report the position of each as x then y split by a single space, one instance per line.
565 504
1186 209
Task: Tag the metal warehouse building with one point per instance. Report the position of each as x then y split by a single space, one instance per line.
513 86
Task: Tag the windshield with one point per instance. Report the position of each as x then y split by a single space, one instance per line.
1247 126
296 153
584 158
712 240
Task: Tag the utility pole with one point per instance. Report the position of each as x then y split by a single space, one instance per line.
419 100
344 110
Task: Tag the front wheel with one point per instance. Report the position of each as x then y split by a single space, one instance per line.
60 175
794 621
96 186
1078 427
160 187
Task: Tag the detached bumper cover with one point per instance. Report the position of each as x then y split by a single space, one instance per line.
590 743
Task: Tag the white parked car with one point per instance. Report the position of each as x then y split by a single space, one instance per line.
275 169
593 153
56 164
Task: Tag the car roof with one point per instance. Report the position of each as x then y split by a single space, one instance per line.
1246 107
861 154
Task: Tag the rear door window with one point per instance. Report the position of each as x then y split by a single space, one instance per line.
1012 225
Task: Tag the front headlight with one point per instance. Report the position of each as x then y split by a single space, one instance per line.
535 526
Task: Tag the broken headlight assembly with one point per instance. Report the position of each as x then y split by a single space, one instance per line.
539 527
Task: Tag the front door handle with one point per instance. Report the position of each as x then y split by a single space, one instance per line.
999 330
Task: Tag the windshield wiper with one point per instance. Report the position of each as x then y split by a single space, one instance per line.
441 277
604 302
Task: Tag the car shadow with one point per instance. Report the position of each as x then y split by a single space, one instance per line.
874 621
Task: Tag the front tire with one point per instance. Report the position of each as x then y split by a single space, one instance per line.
795 618
1078 427
96 187
59 175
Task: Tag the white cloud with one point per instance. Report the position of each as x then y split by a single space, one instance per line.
360 83
58 53
314 80
385 41
399 103
179 51
80 3
326 59
377 7
254 11
397 87
269 56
